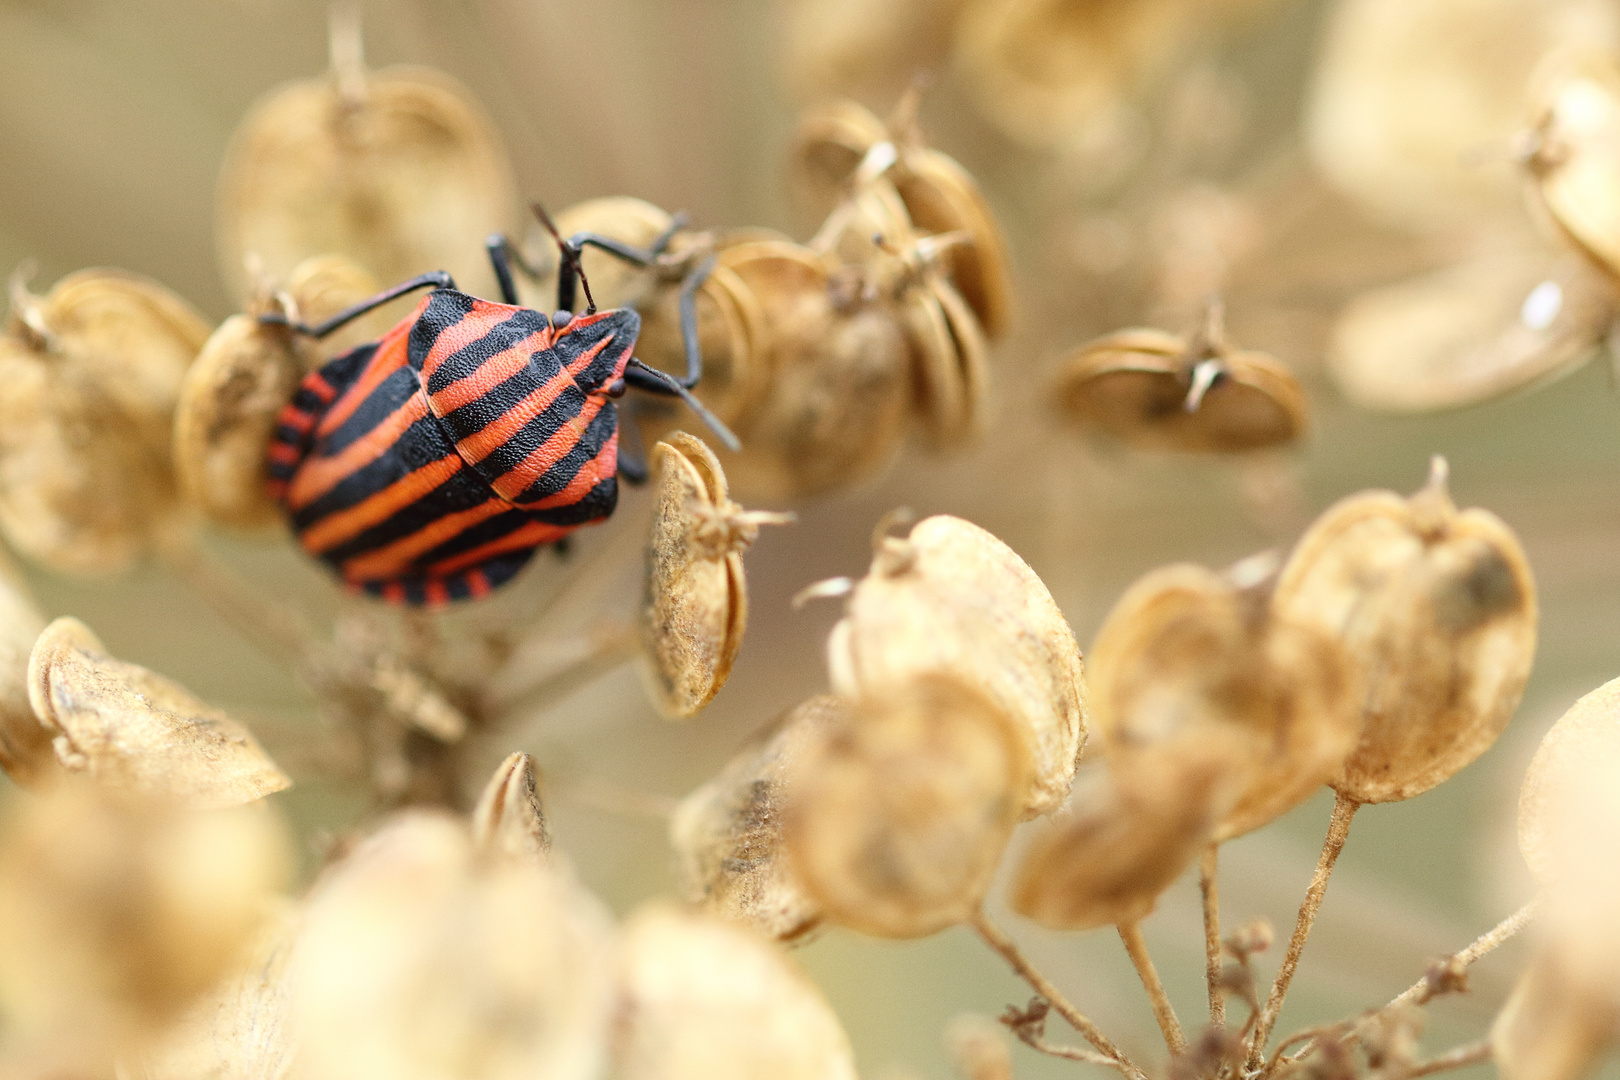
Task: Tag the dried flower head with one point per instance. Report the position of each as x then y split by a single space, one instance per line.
1575 156
134 730
732 335
898 815
509 817
614 282
1436 610
950 597
92 372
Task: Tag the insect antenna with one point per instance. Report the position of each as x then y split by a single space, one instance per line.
568 253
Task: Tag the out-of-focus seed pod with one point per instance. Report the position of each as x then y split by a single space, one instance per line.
1575 159
703 999
1552 1028
1436 610
1471 332
978 1046
323 285
1187 664
849 46
950 597
835 406
133 730
399 169
1123 839
694 607
831 139
867 226
1159 391
509 817
422 956
115 915
732 334
25 744
1577 758
898 817
92 372
1412 96
727 834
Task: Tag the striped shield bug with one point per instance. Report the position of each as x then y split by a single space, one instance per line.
428 465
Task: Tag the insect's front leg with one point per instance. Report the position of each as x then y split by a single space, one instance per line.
567 274
438 279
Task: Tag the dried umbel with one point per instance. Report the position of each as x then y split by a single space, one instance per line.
134 730
732 333
399 169
509 817
423 956
694 608
116 914
950 597
26 753
898 816
1189 666
92 372
727 834
701 999
1436 609
1158 391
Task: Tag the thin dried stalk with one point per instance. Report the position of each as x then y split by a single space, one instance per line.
1072 1053
274 627
1015 958
1463 1056
571 665
1163 1011
1209 888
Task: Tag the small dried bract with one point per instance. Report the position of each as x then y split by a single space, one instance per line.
950 597
92 372
1189 666
509 817
899 815
422 956
134 730
694 608
26 753
1436 610
727 834
702 999
1575 154
1158 391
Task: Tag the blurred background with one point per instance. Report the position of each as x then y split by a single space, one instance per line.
1192 149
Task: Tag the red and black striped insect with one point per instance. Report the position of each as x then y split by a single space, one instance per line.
429 465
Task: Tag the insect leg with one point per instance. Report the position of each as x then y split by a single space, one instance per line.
500 258
632 451
568 273
653 381
689 326
438 279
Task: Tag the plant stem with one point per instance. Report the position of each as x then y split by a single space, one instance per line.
1165 1013
1209 887
1072 1053
1010 952
1344 809
1463 1056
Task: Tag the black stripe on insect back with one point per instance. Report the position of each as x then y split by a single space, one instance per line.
444 308
566 468
420 445
385 398
470 357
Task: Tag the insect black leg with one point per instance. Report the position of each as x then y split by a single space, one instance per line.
653 381
632 450
567 274
689 326
500 258
438 279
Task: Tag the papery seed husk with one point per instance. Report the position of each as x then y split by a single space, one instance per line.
952 597
727 834
898 817
1550 1028
509 817
423 957
942 197
704 999
1577 164
87 418
26 753
851 233
972 352
408 177
1576 758
829 142
939 380
1436 609
134 730
733 337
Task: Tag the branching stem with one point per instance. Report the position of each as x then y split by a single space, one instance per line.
1165 1013
1209 888
1460 1058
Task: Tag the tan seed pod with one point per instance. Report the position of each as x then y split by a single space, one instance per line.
694 608
831 138
727 834
399 170
1471 332
951 597
1577 758
1158 391
1436 609
133 730
978 1047
323 285
92 372
1552 1027
866 226
1576 156
1189 665
509 817
26 753
422 956
116 915
898 817
703 999
733 337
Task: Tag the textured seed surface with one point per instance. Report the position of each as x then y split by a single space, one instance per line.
509 817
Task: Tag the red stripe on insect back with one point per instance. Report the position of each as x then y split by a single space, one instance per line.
395 559
436 593
490 374
389 358
296 419
593 472
479 445
479 321
283 453
374 509
539 462
316 383
320 475
529 536
477 584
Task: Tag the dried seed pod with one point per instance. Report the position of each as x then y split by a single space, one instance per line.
831 139
727 834
1436 610
92 372
1471 332
1162 392
115 915
1552 1027
898 817
323 285
867 226
1188 665
133 730
1577 758
509 817
732 333
702 999
978 1046
694 608
421 956
25 744
399 169
951 597
1575 159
